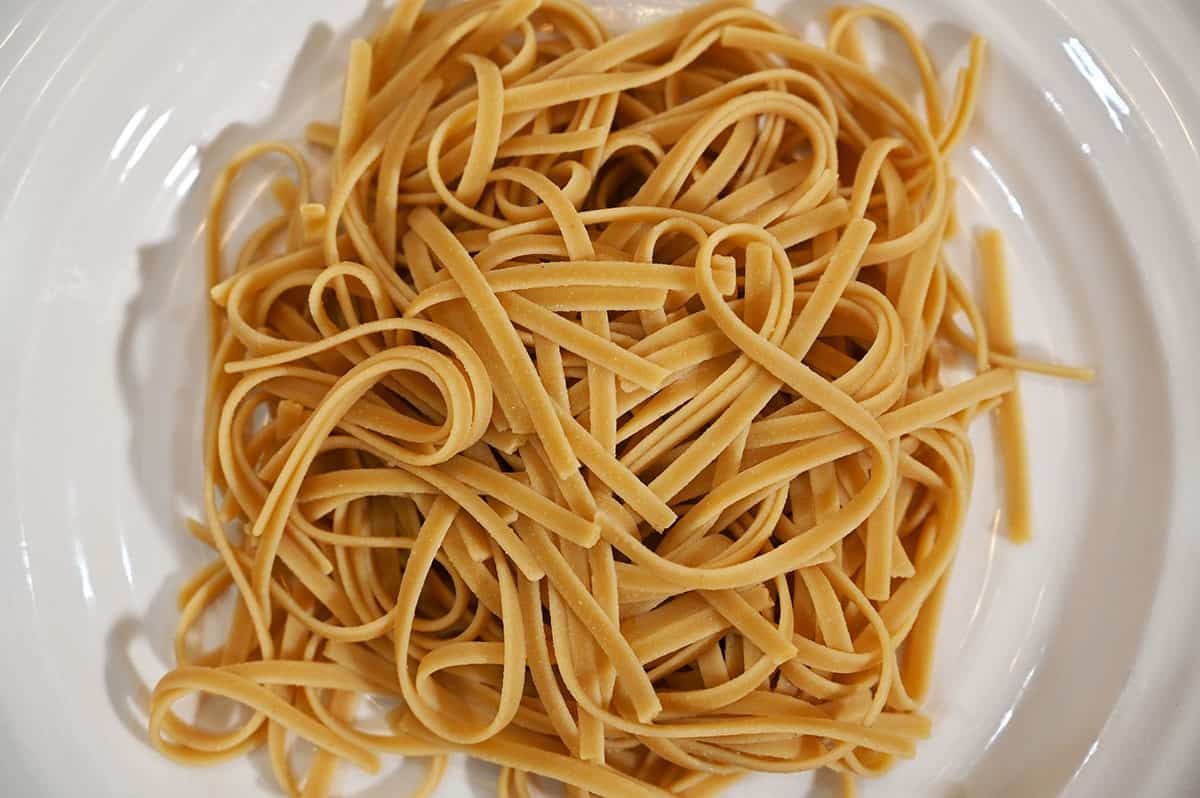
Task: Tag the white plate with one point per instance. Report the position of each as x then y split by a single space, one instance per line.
1066 666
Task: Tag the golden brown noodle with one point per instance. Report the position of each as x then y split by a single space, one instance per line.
594 417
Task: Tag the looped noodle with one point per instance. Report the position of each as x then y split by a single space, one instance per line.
596 414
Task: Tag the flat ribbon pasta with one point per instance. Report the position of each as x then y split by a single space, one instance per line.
593 422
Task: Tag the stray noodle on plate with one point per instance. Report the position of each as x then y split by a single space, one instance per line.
592 422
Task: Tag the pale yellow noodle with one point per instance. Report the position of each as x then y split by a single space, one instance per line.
998 315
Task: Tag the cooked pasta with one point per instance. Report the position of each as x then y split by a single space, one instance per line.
592 422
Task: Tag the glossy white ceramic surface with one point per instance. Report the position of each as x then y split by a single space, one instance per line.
1067 667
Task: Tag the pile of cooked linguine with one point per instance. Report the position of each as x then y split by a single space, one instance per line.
592 423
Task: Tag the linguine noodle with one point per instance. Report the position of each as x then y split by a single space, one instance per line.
592 422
